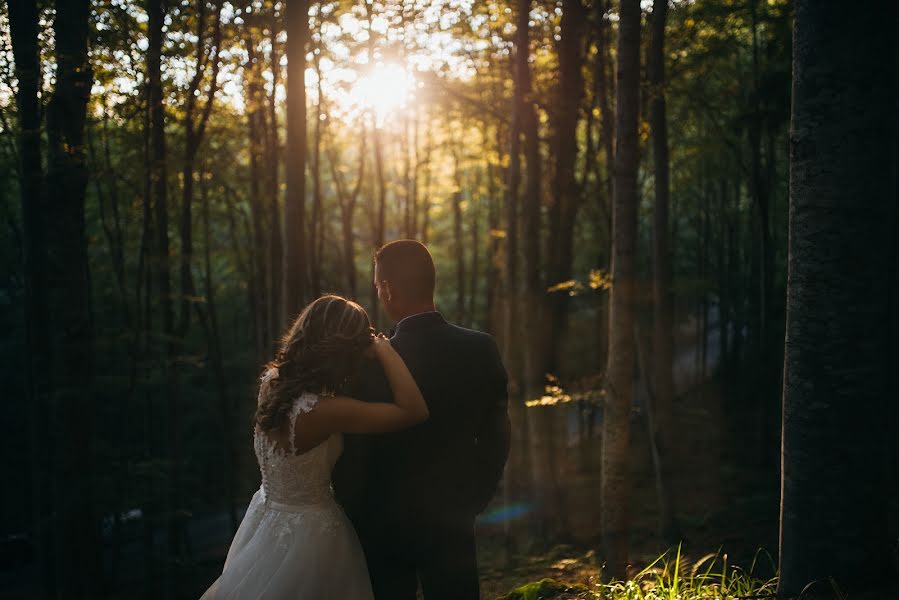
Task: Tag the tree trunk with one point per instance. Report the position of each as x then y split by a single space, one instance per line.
474 230
260 270
380 214
316 233
565 189
347 200
171 491
494 240
515 467
295 268
458 242
67 176
615 478
533 284
274 272
835 390
23 26
663 304
605 91
230 470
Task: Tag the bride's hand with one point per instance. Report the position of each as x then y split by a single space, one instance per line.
379 345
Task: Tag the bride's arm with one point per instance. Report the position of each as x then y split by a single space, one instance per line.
348 415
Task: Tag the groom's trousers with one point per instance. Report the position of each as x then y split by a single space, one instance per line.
442 557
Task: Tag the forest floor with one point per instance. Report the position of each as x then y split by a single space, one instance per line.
727 502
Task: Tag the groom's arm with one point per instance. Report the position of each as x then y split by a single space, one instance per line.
494 429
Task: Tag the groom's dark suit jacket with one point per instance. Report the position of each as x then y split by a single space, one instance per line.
447 469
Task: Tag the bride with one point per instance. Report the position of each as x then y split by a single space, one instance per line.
295 541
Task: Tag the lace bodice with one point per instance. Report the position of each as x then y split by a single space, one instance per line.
291 480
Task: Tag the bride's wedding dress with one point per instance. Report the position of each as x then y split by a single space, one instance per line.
295 541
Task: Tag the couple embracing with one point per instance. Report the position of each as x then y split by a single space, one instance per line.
412 430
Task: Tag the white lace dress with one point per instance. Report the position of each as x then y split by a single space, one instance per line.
295 541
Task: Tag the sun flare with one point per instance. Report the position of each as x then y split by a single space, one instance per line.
385 89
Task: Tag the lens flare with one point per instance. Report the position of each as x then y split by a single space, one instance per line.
510 512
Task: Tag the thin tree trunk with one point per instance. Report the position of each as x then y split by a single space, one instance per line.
260 273
474 227
605 91
230 468
458 242
494 241
515 469
565 189
426 200
380 214
615 478
317 228
159 178
347 201
835 392
533 284
274 272
663 302
295 267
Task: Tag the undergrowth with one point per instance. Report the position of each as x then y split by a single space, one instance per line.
664 579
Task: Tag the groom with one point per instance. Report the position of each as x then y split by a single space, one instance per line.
413 496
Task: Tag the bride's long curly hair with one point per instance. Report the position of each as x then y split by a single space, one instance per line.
320 352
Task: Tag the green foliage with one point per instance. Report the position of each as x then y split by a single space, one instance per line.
547 589
663 579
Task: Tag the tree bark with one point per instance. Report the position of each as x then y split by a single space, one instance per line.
275 266
615 479
295 267
515 470
663 304
67 177
317 229
458 242
835 392
565 190
534 295
261 266
23 25
159 185
347 200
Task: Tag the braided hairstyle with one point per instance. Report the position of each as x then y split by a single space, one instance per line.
319 353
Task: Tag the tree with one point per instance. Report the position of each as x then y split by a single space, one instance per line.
296 20
615 478
23 21
835 391
67 177
565 190
663 306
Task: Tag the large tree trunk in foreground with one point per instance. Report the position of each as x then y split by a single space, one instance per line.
843 194
615 478
295 268
23 25
69 300
663 302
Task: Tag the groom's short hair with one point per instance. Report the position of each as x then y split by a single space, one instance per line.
408 266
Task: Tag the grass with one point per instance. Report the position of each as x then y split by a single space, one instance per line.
666 578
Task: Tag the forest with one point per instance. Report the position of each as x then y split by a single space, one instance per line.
678 218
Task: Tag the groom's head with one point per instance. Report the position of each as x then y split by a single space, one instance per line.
404 277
